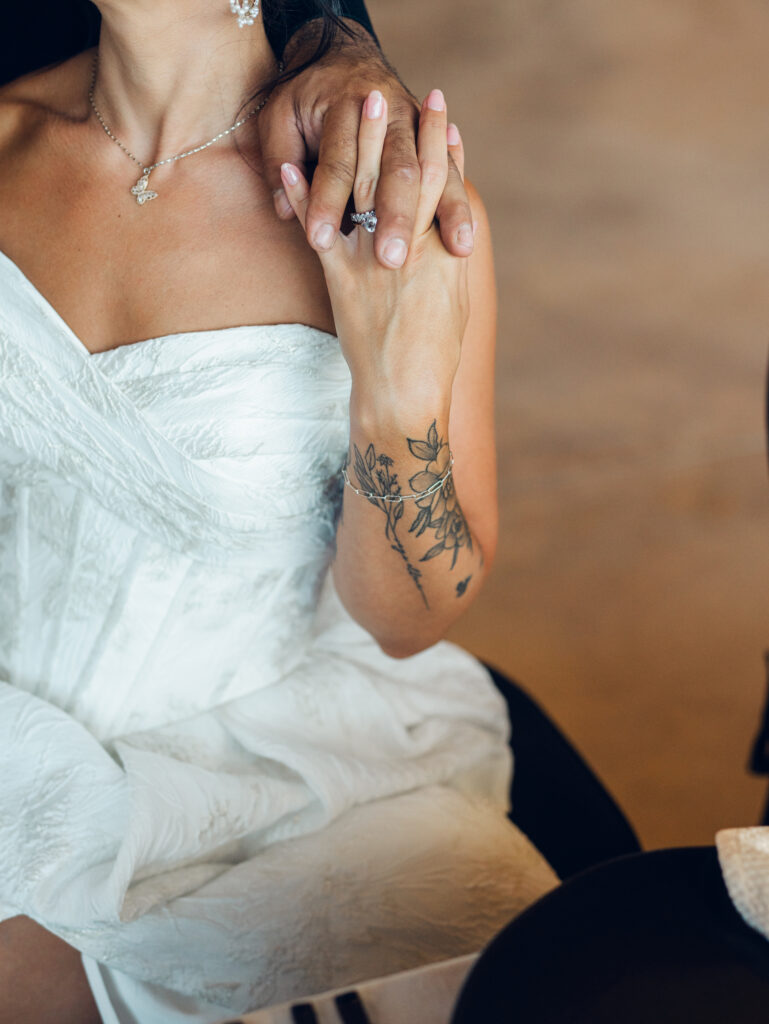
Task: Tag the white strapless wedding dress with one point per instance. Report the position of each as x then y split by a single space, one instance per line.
212 778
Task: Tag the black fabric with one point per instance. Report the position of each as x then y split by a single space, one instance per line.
647 939
33 35
557 800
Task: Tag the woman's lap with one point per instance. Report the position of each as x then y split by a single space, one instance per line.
557 802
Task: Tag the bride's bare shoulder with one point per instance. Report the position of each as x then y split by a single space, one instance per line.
29 103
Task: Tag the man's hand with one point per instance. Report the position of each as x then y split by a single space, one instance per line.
316 116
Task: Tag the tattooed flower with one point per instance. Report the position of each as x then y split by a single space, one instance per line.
385 460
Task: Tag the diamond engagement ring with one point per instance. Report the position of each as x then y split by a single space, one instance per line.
367 220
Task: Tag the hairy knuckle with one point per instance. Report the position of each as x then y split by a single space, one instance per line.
338 170
454 207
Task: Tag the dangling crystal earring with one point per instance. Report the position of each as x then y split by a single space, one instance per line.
246 10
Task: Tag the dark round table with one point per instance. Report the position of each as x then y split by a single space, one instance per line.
651 938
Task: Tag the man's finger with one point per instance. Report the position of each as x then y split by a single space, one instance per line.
334 176
280 141
398 190
455 216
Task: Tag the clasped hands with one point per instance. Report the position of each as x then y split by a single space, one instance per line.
316 117
399 297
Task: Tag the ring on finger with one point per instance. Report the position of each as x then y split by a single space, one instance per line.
367 220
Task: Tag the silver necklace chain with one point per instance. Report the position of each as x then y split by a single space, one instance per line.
140 189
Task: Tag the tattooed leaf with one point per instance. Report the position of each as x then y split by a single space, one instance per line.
362 472
416 576
462 585
434 551
398 511
421 450
421 522
421 481
432 437
370 457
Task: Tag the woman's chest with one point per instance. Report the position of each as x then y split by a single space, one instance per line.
207 253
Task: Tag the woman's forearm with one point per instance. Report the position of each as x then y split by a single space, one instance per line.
408 559
405 569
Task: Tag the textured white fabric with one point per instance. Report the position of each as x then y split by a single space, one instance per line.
743 854
212 778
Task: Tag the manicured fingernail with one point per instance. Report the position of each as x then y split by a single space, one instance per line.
395 252
465 236
435 100
452 135
289 174
324 237
374 105
282 205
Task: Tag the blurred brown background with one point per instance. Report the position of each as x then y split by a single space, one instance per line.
623 152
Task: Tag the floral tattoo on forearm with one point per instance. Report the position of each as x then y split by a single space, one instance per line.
438 512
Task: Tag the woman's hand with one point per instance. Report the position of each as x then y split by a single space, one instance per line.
316 115
400 331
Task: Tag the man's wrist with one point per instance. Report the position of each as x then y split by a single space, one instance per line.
301 46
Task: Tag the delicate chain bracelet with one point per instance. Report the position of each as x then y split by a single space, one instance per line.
403 497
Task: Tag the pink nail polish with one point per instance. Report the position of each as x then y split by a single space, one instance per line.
289 174
452 134
435 100
374 105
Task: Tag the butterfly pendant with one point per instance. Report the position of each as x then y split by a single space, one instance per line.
142 193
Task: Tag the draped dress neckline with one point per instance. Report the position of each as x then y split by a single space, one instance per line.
69 381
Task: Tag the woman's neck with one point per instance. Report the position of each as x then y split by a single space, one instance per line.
174 73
